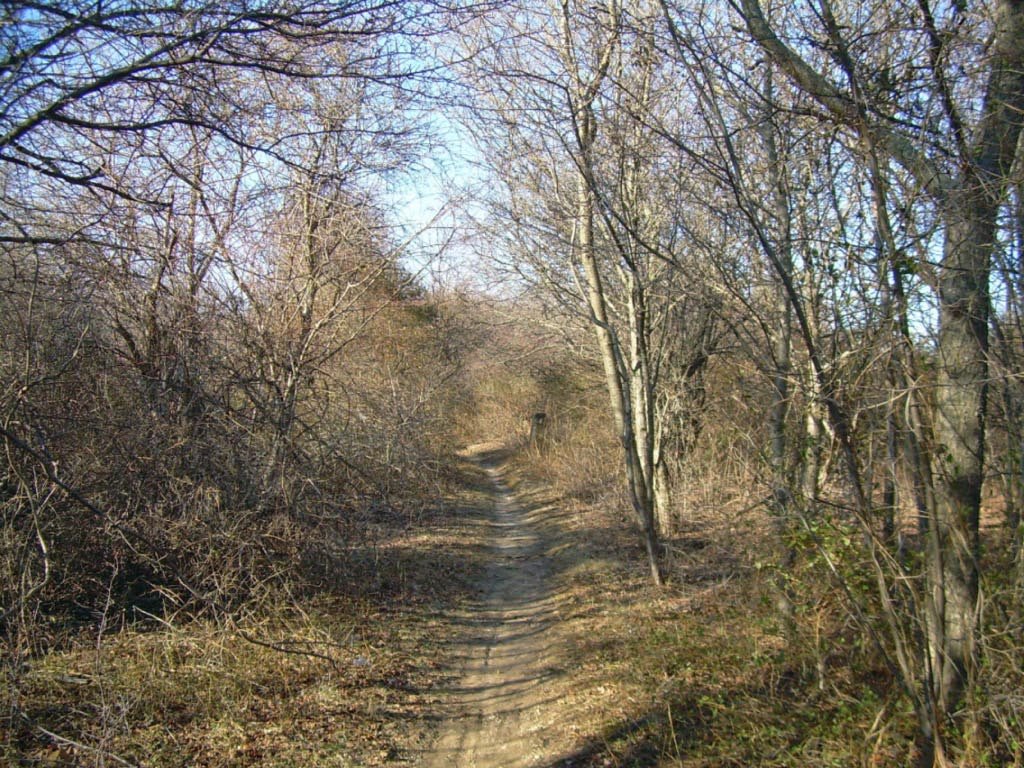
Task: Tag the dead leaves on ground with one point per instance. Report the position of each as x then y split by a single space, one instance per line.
208 696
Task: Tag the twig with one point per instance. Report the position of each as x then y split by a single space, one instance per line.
78 745
284 649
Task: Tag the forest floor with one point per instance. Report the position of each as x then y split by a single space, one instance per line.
515 703
504 708
490 631
504 626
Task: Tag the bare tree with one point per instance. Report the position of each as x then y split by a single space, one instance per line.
968 193
189 240
596 222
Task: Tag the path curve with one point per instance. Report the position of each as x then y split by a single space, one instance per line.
495 716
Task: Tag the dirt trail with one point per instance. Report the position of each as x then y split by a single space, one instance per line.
499 712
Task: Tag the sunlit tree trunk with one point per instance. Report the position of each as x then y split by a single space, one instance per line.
582 94
961 405
620 397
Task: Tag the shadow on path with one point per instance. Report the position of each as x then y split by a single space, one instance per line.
495 714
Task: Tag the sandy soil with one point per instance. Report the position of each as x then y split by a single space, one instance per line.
501 712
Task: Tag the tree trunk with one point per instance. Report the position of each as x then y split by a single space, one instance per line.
662 495
782 346
581 96
961 401
968 205
619 397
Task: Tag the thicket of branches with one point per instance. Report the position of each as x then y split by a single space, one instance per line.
215 369
794 235
813 214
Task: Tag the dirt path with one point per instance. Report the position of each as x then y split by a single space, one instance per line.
498 714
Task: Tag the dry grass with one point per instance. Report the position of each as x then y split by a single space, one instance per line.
701 673
345 678
696 675
210 694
